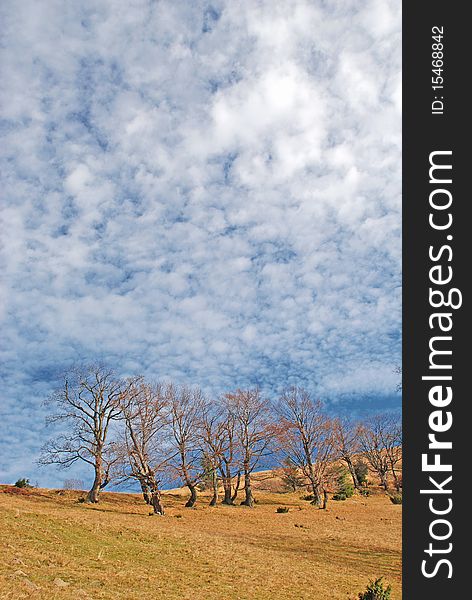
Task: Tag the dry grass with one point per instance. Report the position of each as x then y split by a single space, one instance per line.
55 548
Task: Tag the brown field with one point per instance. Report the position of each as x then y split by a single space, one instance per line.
56 548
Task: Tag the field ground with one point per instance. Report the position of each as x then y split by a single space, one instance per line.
56 548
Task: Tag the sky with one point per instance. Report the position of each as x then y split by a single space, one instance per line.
201 192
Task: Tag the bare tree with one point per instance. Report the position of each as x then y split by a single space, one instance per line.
254 431
306 438
186 407
212 432
88 404
346 444
145 411
380 441
392 441
230 452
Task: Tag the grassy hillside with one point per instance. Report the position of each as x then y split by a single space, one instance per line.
57 548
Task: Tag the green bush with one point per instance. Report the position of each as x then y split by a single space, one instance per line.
344 484
23 483
365 493
396 499
308 497
208 472
348 490
339 496
376 591
362 470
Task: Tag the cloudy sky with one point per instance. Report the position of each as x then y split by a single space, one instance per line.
206 192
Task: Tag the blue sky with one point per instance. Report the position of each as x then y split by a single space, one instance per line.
208 193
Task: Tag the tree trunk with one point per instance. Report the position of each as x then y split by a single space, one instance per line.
146 492
156 502
383 479
249 499
94 493
226 479
352 471
395 479
214 481
227 494
236 488
193 495
315 489
315 486
325 500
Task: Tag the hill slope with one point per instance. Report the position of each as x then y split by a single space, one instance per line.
55 547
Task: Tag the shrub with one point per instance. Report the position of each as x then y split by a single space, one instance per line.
362 470
376 591
344 484
339 496
396 499
308 497
348 490
208 473
11 489
282 509
23 483
365 493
